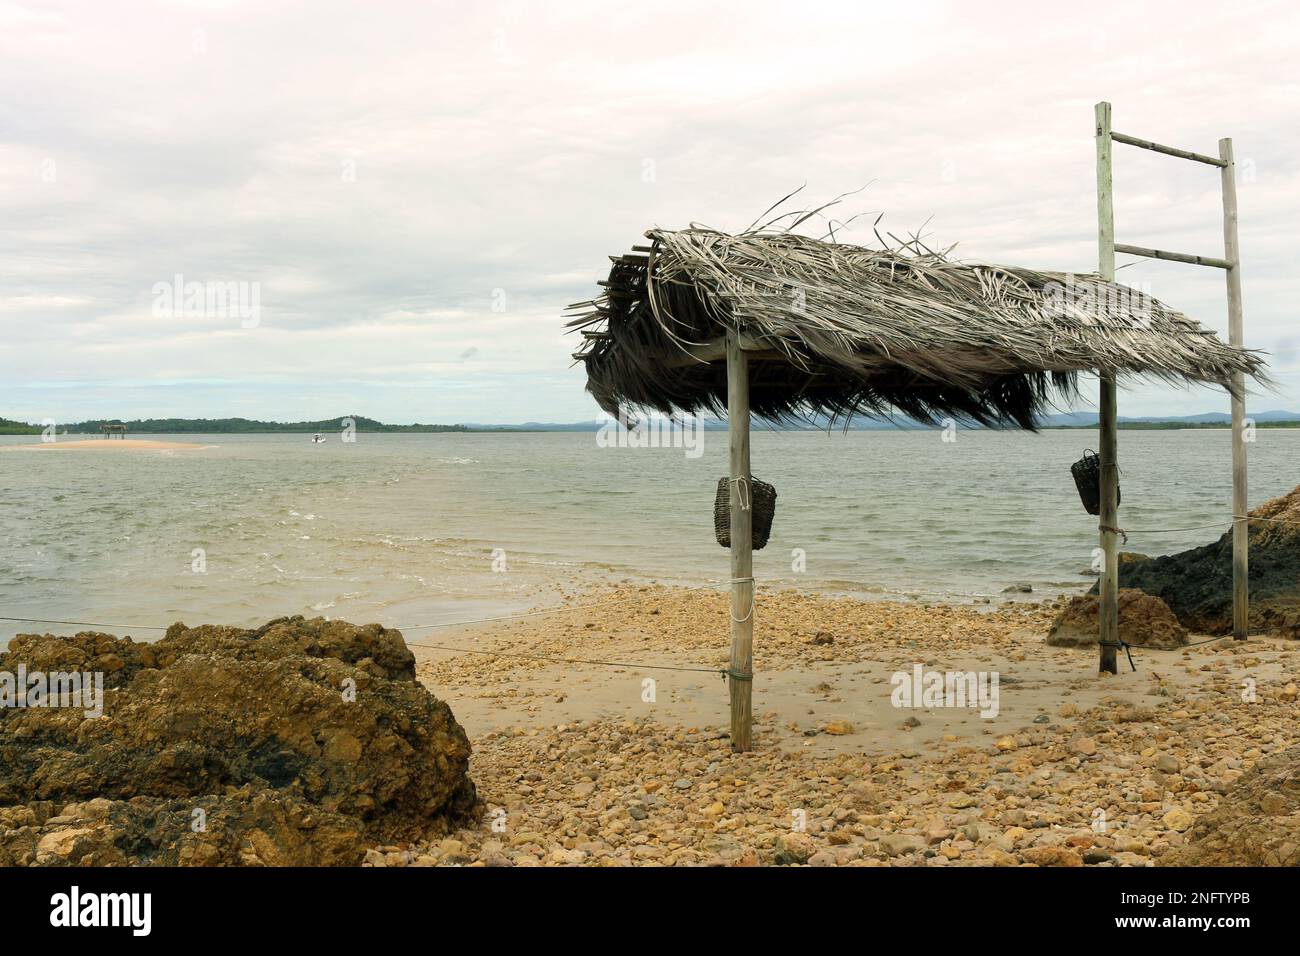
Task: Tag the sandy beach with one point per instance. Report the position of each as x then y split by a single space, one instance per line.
102 444
576 763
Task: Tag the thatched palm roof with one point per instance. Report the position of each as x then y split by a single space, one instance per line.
841 329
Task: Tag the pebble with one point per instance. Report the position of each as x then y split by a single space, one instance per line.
936 831
1168 763
898 844
793 848
1051 856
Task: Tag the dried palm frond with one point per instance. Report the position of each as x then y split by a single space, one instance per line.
846 329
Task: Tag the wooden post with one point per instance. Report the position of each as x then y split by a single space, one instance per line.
741 678
1240 526
1108 606
1107 453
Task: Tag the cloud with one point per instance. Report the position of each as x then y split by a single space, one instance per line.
418 190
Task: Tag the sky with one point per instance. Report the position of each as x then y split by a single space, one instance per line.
415 191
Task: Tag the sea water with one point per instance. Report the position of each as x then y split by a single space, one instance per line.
406 529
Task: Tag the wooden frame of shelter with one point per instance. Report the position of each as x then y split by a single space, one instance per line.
773 324
109 429
1231 264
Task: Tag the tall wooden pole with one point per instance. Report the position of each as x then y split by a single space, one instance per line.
741 675
1108 623
1108 454
1240 526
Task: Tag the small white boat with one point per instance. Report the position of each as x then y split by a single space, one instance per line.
317 439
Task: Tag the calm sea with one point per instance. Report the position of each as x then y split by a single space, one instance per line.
407 529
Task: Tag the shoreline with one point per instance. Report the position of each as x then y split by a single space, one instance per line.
422 615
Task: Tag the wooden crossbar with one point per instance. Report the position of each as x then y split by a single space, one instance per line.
1173 256
1167 150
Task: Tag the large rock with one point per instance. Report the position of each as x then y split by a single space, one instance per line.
1257 823
1197 584
1144 621
300 742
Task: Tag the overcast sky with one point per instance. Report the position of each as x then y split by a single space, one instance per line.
418 189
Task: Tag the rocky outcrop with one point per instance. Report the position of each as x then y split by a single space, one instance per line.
1256 824
1197 584
1144 621
302 742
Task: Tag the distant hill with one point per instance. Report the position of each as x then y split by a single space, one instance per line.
225 426
1204 420
9 427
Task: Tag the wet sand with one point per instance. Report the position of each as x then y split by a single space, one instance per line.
580 763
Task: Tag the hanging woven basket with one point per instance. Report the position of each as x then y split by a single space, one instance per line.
1087 478
762 502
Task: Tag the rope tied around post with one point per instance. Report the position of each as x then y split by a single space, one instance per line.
753 598
1120 642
